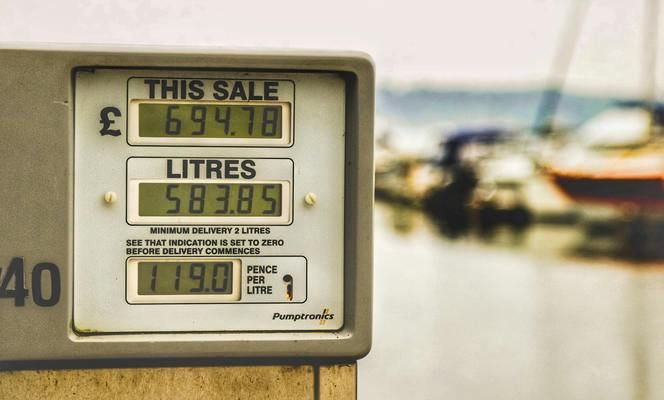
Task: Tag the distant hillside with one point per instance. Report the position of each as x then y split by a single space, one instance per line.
516 108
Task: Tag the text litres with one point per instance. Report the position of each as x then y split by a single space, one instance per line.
210 169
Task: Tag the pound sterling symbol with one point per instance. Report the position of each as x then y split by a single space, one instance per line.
106 121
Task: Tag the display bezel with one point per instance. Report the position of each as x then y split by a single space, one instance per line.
134 218
285 140
133 297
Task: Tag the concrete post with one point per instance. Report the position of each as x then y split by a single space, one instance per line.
311 382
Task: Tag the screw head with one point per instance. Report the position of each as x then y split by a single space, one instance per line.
310 198
110 197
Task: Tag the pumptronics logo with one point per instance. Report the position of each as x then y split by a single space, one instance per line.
324 316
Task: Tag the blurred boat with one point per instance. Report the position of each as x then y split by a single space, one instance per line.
483 177
412 178
615 159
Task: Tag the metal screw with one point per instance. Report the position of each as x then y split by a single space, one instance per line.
110 197
310 198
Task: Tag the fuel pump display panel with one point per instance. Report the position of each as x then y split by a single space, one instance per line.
182 204
210 230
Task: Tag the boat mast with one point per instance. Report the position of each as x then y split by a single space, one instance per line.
548 104
649 67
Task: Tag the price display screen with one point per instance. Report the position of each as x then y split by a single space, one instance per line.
183 280
162 199
210 120
207 122
180 277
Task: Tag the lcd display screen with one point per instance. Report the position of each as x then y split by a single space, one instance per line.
162 199
184 277
212 120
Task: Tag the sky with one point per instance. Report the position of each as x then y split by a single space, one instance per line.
457 43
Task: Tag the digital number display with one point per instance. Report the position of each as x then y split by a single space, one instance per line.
211 120
185 278
161 199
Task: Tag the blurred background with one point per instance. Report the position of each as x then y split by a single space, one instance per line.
519 221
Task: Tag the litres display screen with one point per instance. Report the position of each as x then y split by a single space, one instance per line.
161 199
181 277
211 120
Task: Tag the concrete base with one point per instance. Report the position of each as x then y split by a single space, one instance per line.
246 382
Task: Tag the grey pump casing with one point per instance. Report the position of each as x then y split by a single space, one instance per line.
36 136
